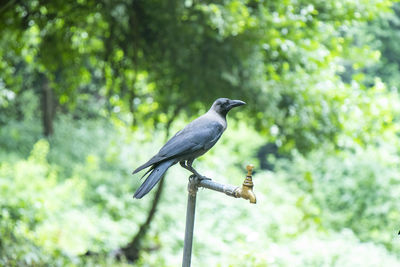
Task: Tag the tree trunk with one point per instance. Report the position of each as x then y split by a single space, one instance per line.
131 251
47 107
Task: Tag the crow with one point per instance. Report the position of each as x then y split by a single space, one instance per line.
186 145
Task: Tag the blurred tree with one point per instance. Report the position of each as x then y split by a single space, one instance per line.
43 48
384 35
154 59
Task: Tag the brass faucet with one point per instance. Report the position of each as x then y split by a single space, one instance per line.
246 191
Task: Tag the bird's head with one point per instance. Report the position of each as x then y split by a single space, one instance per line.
223 105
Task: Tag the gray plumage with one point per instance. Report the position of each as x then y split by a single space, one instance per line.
191 142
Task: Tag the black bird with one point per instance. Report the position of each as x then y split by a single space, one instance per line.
186 145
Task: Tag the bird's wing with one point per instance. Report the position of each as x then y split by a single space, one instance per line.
198 135
192 140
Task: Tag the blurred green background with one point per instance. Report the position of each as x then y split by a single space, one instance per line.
90 89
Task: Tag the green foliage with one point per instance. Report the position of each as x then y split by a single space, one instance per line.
354 190
29 195
383 35
65 198
147 61
43 204
14 134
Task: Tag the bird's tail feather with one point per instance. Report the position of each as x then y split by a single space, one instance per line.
152 161
144 166
153 178
149 170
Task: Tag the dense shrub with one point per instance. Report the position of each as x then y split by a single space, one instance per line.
73 194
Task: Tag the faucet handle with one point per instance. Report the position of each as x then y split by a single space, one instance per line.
249 181
249 168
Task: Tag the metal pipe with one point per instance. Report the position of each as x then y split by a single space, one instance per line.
246 192
190 216
224 188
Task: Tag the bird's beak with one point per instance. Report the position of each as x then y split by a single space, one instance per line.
236 103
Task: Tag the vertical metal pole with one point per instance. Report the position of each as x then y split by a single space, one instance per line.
190 215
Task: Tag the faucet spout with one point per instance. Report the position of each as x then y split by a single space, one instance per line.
252 197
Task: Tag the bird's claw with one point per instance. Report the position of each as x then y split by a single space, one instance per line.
199 177
204 178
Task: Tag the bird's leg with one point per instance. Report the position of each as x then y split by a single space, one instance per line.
185 165
182 163
188 166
